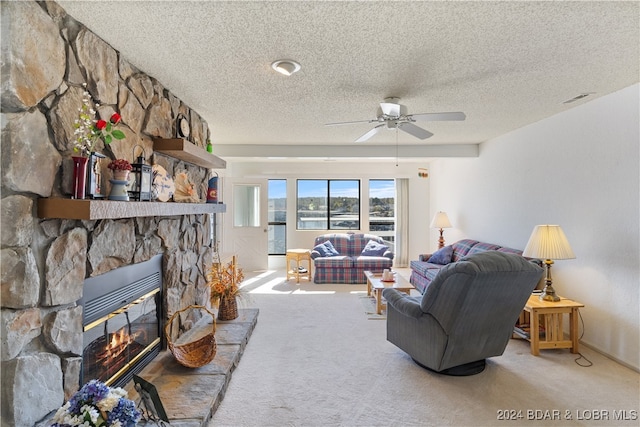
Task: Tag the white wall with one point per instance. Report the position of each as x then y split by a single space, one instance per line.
579 169
418 190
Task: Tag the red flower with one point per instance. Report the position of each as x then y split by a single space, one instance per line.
115 118
119 164
101 124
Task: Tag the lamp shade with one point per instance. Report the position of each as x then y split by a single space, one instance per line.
440 220
548 242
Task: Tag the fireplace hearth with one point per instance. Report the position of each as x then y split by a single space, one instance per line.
122 322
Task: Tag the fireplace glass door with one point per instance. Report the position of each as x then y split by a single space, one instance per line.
116 342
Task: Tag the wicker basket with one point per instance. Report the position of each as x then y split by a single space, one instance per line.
197 353
228 309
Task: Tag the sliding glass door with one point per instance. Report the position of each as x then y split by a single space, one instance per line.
277 214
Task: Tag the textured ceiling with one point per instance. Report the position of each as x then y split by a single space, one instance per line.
504 64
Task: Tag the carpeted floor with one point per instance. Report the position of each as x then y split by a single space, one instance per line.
369 307
316 359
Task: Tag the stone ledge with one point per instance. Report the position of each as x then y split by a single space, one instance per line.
191 396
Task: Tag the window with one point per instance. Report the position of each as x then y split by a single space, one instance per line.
277 229
328 204
382 196
246 205
312 204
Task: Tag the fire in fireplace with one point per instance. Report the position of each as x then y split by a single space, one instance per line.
122 322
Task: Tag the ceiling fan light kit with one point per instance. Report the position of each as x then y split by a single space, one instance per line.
286 66
393 115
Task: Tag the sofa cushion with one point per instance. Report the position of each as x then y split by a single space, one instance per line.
374 248
326 249
461 248
423 268
482 247
442 256
340 241
339 261
510 251
358 241
373 263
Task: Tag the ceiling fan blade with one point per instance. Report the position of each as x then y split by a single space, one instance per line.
351 123
370 133
390 109
414 130
438 117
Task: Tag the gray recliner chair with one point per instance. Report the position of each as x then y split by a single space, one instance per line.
465 315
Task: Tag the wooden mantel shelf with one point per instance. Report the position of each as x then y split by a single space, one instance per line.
110 209
189 152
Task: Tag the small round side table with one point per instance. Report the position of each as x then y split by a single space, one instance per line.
298 256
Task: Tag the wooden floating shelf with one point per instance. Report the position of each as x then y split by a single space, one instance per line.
189 152
88 209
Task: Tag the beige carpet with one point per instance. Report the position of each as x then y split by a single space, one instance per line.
315 359
369 307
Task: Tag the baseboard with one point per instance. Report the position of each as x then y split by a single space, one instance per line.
608 356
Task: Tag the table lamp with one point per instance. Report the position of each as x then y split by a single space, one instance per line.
440 220
548 242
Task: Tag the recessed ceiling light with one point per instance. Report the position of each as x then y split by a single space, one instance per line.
286 66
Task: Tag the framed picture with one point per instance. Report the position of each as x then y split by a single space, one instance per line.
150 399
95 185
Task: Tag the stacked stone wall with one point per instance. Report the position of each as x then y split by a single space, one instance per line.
47 56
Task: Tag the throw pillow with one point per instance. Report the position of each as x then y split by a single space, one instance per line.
374 249
442 256
326 249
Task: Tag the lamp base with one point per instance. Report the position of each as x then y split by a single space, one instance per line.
441 240
549 294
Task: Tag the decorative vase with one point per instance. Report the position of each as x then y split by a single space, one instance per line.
228 308
121 175
79 176
119 189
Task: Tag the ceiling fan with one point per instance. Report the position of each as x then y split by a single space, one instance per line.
393 115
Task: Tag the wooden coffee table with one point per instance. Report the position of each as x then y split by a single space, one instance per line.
375 286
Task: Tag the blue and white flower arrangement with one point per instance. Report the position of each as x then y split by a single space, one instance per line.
96 405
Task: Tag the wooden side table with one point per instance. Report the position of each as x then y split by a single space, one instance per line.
298 256
541 322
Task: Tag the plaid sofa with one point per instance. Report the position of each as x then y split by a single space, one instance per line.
423 272
350 265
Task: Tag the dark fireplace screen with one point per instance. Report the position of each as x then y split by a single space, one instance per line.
121 324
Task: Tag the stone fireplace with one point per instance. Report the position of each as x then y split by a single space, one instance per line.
45 261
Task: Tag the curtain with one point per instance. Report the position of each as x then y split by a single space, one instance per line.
401 258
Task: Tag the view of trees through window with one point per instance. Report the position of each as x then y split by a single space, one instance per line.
332 204
382 196
277 216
